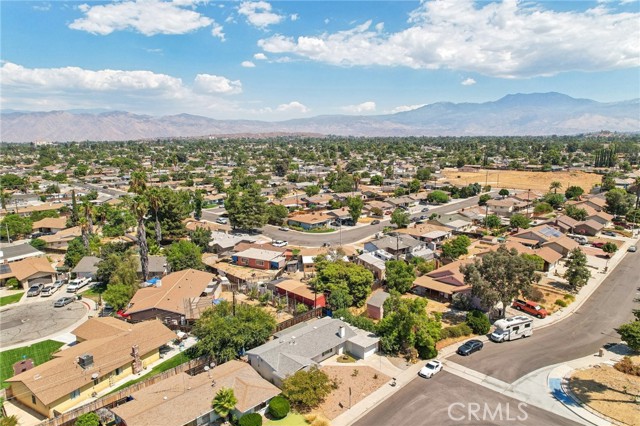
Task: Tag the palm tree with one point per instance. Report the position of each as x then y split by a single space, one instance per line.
138 182
555 185
140 207
637 184
224 402
356 180
4 197
154 197
11 420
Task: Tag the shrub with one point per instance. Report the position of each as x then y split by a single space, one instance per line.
309 418
13 283
279 407
626 366
251 419
321 421
569 297
561 303
536 295
456 331
478 322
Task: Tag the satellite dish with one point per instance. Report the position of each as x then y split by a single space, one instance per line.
94 376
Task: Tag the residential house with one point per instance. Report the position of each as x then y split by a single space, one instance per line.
400 245
602 217
311 220
157 266
454 221
87 267
18 251
444 282
506 207
183 399
29 271
589 227
528 196
260 258
404 201
222 242
546 236
428 232
299 292
375 261
318 200
550 257
382 205
177 299
341 215
60 240
50 224
565 223
375 304
306 346
107 351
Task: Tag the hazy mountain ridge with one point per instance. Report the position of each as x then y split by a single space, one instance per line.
518 114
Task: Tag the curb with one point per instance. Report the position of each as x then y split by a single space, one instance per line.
564 380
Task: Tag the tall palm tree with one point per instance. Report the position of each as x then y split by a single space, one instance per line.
224 402
138 182
154 197
555 185
4 197
356 180
140 207
637 184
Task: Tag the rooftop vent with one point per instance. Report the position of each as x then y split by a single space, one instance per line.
85 361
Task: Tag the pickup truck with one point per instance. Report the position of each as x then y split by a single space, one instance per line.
531 308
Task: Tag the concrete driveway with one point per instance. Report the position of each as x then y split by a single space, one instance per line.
36 320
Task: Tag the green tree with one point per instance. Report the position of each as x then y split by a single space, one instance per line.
630 333
609 248
478 321
555 185
11 420
554 200
453 249
76 250
519 221
138 182
542 208
16 225
12 181
312 190
198 201
277 214
306 390
482 201
493 221
376 180
414 186
201 237
633 216
224 332
423 174
573 192
406 325
355 205
88 419
399 275
352 278
246 209
340 299
400 218
500 276
139 207
575 212
154 197
224 402
619 201
38 244
503 192
437 196
5 197
577 274
184 255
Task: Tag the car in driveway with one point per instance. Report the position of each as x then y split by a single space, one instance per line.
77 284
609 233
531 308
598 244
48 291
279 243
59 283
430 369
470 347
34 290
63 301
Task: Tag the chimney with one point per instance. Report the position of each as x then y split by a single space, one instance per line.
341 332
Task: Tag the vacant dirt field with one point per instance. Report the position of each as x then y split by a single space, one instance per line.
510 179
609 392
364 382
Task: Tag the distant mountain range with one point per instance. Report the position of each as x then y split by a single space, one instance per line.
519 114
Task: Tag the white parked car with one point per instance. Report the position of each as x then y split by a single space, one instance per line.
279 243
430 369
48 290
77 284
222 220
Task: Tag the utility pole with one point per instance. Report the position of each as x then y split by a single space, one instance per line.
8 236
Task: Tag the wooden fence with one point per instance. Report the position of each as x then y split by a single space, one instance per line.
192 367
313 313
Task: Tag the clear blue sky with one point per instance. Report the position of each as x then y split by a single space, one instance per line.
281 60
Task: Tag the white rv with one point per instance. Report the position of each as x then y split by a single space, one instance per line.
512 328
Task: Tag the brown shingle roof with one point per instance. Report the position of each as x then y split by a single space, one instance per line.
62 375
51 222
97 328
180 399
28 267
171 295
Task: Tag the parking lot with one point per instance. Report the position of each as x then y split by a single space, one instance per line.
37 319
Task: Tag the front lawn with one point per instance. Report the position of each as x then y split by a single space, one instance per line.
181 358
291 420
7 300
39 352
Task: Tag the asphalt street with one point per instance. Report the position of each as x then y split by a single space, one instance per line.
450 400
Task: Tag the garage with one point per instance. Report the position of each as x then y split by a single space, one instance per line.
363 345
40 280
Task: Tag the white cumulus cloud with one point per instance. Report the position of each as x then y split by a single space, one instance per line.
217 84
148 17
368 106
507 39
248 64
468 82
293 106
405 108
217 30
259 13
260 56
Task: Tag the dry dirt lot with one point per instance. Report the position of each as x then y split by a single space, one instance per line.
366 381
537 181
609 392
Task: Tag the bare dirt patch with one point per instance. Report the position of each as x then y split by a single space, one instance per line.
609 391
537 181
362 383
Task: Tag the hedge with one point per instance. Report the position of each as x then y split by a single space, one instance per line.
279 407
251 419
478 322
456 331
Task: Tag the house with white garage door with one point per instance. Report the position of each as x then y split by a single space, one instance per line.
306 346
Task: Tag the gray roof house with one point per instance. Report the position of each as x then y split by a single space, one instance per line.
157 266
306 346
15 252
87 267
401 245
